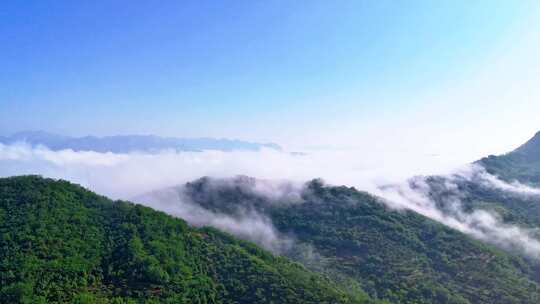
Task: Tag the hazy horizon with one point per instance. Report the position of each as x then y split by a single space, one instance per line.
426 77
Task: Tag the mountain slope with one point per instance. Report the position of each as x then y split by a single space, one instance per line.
519 166
129 143
522 164
513 206
63 244
400 256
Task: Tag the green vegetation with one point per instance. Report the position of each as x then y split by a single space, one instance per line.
60 243
399 256
522 164
513 167
516 208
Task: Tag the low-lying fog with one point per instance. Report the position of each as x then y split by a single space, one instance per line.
386 175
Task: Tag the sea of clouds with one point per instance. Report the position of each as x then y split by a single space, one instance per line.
387 175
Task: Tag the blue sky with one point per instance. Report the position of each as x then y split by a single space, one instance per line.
429 74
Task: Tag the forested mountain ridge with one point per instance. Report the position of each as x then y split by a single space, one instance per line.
520 169
63 244
353 237
522 164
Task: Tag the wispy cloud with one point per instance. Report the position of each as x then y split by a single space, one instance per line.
445 205
246 224
133 174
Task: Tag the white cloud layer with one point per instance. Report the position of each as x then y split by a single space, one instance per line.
127 175
130 175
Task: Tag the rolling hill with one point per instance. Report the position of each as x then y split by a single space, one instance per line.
351 236
63 244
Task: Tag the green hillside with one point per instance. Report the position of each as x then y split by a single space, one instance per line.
399 256
63 244
513 207
522 164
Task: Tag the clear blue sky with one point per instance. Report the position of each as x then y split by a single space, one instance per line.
294 72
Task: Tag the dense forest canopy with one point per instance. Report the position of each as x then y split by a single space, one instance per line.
400 256
63 244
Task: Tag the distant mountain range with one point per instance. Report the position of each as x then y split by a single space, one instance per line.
129 143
